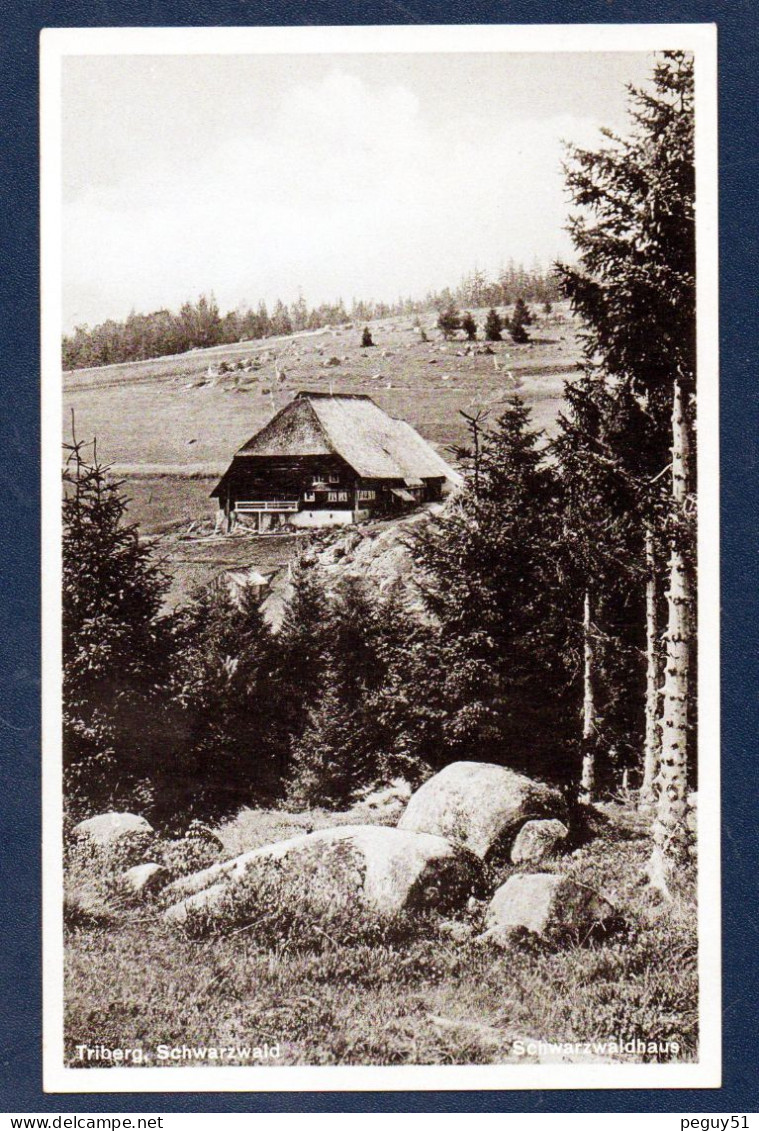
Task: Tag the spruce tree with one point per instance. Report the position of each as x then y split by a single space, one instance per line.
493 326
116 649
322 769
634 289
494 585
520 319
234 746
600 461
302 649
469 326
449 321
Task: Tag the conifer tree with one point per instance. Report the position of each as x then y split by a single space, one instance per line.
634 289
302 648
520 319
493 326
323 767
469 326
494 585
449 321
233 748
116 649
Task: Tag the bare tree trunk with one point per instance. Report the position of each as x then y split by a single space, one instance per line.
670 832
588 777
652 742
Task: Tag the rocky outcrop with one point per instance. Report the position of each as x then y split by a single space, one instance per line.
479 806
545 904
377 553
383 869
538 840
108 829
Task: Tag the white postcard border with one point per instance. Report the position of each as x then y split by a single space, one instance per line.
56 43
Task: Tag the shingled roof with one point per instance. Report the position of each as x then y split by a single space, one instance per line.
376 446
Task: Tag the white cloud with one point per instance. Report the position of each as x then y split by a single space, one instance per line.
339 187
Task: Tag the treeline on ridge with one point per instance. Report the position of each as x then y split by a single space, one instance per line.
200 324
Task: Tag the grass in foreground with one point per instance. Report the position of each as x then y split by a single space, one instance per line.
425 1000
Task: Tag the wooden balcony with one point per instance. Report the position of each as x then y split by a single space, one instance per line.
266 506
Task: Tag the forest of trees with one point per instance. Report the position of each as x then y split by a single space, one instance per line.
201 324
558 584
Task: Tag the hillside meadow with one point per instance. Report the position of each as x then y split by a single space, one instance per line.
171 425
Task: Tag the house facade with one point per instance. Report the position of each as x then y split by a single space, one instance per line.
328 460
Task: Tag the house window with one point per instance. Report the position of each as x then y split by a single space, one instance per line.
309 496
338 496
333 477
365 494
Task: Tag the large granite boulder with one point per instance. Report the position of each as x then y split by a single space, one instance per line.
538 840
107 829
479 806
384 870
545 904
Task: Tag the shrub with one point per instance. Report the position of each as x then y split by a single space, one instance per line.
366 338
188 855
91 889
449 321
469 326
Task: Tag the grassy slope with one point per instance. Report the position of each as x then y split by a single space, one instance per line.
139 984
170 431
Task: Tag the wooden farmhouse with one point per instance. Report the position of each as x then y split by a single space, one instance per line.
328 460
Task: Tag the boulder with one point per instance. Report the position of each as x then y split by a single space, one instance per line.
144 879
479 806
386 870
538 840
108 829
545 904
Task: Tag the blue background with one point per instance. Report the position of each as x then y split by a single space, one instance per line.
20 954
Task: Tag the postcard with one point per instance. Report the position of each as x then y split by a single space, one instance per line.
380 579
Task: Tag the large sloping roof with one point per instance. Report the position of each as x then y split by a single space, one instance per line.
376 446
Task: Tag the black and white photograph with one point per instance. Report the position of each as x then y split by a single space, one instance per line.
380 578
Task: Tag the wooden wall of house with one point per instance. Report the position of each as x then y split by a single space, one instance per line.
264 477
259 478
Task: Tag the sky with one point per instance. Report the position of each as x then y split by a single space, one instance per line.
367 176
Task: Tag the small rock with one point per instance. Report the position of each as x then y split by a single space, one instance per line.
538 840
547 905
144 879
